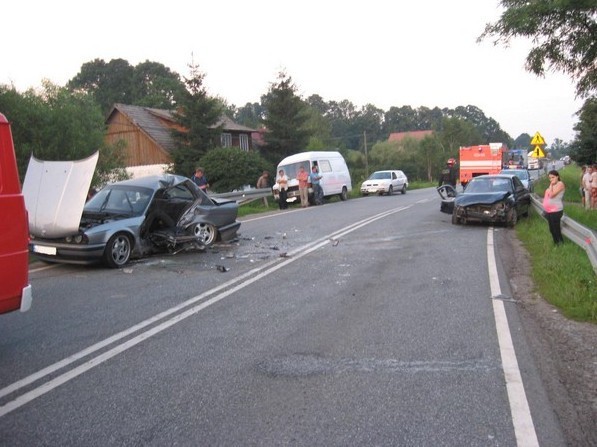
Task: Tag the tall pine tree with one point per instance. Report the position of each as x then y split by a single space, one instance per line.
197 116
285 121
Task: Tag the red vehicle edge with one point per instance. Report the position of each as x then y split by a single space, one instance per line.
15 290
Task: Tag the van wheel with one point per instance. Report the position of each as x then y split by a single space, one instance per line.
118 251
390 190
403 190
344 194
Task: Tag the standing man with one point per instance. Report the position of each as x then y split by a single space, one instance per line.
303 181
314 179
200 180
262 183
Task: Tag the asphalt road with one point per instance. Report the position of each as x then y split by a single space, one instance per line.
368 322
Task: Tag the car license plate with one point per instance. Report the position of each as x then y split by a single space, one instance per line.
44 250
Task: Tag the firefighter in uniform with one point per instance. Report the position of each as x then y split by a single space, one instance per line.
449 174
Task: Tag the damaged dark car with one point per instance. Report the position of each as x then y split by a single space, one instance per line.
140 217
495 199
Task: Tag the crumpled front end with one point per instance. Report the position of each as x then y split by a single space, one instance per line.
481 212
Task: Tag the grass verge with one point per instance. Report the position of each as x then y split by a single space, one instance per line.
562 274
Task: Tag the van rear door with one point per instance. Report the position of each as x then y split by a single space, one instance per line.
15 291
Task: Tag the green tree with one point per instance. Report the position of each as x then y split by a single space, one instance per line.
250 115
148 84
583 149
108 83
489 129
197 114
59 125
231 168
454 133
285 120
155 85
523 141
564 36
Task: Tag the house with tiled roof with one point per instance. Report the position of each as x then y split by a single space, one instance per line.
147 133
414 134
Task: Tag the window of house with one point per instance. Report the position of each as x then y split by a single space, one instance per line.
243 141
226 139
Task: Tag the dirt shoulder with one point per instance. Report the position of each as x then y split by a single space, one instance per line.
565 351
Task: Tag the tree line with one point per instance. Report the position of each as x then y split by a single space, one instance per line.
68 122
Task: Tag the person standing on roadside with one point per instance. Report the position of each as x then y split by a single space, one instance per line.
303 181
282 182
314 179
585 186
593 187
262 183
200 179
553 205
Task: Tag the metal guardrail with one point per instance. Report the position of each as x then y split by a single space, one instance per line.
246 196
579 234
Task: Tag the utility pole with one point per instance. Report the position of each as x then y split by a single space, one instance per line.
366 156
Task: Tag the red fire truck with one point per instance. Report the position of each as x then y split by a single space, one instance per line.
479 160
15 291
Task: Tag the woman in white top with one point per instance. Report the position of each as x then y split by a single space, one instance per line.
282 181
554 206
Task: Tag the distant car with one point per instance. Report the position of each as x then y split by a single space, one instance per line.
523 174
385 182
499 198
136 218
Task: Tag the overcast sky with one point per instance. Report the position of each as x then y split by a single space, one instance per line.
386 53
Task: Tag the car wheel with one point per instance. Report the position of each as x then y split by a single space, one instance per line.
118 251
206 233
390 190
364 194
403 190
344 194
511 217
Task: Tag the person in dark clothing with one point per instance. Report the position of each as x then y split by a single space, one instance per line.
200 179
449 175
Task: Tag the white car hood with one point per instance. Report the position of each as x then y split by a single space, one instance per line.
55 193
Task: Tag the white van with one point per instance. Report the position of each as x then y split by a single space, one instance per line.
332 167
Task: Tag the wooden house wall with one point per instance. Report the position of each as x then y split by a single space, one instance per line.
140 149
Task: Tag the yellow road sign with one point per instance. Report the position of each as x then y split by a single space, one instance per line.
537 140
538 152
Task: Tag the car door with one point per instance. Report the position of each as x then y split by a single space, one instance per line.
522 197
395 181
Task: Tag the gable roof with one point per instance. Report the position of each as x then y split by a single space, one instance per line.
156 123
415 134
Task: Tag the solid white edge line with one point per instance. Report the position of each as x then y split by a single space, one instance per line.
524 429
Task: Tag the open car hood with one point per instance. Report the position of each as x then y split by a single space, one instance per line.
55 193
488 198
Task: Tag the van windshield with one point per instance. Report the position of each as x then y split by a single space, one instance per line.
292 169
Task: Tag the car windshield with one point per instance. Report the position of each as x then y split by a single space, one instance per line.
120 199
485 185
380 176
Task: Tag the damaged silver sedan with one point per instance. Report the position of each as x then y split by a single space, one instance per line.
136 218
